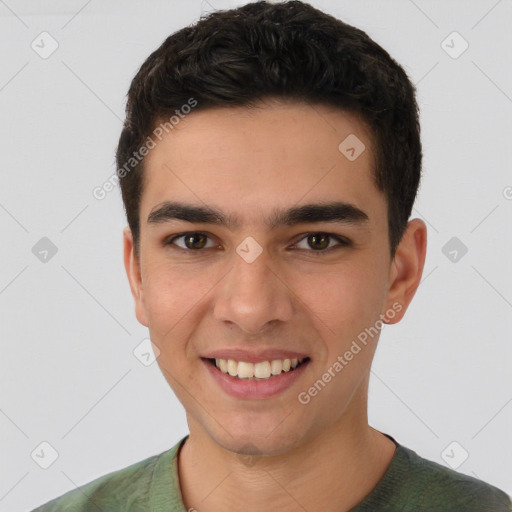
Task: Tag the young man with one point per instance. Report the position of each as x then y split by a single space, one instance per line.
269 163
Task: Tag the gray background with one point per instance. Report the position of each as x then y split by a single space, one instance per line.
67 325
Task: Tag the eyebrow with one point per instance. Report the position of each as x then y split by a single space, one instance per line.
337 211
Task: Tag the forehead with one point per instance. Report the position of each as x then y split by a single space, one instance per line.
247 161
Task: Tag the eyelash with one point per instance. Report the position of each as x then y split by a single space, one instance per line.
343 242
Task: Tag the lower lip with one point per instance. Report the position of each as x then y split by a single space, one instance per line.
255 389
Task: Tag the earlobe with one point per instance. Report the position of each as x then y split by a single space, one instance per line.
407 269
133 272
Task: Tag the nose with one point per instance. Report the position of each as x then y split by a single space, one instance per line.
253 296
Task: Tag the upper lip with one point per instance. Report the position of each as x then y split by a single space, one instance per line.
254 356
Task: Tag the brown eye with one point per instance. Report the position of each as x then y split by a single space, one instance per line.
195 241
320 242
192 241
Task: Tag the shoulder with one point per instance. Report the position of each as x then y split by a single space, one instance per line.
119 490
440 488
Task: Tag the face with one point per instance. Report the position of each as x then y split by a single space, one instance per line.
270 272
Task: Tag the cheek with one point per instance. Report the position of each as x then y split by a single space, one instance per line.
175 301
345 299
174 297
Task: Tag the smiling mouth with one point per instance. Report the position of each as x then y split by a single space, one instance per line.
262 371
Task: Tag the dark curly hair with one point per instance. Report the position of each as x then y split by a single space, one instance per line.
288 50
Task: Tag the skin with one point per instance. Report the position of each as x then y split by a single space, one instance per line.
246 162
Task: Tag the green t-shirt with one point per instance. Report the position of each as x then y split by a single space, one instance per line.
411 483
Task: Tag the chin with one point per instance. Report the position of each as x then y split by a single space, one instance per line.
256 442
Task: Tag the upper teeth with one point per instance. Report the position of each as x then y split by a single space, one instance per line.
262 370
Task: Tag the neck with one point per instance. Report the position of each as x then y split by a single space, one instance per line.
331 471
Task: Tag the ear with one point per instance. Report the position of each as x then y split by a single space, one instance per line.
132 267
406 270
